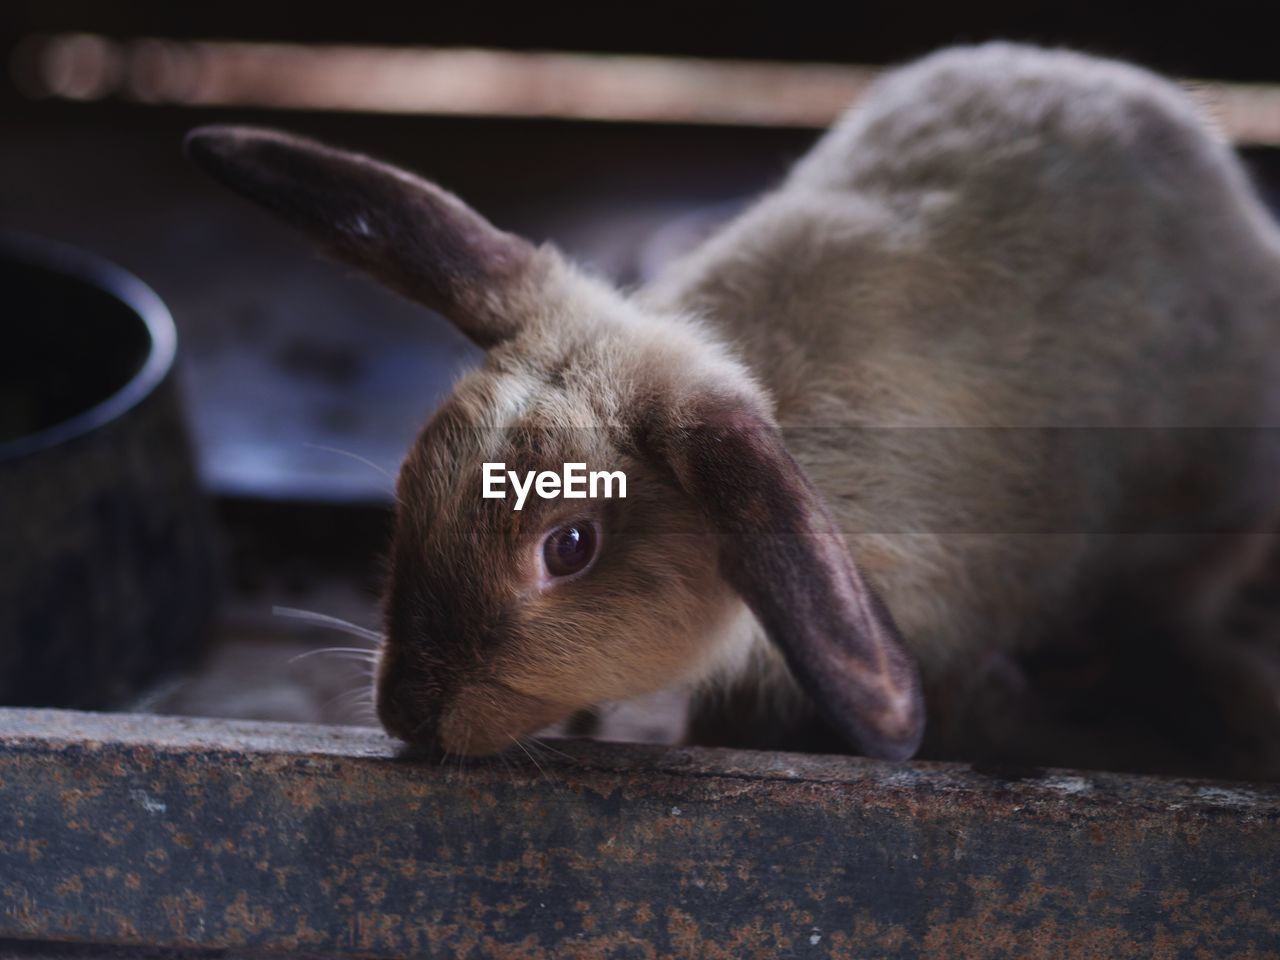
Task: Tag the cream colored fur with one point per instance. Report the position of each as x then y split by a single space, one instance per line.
1004 236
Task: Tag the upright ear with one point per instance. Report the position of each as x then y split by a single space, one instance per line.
781 550
418 239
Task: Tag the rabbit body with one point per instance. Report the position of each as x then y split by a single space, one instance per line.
1016 316
996 243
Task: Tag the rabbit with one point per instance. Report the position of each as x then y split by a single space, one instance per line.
869 427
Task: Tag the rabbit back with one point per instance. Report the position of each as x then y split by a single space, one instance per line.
1009 310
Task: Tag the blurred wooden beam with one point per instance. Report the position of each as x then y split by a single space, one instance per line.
501 83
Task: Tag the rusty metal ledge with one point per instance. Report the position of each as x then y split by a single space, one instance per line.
191 835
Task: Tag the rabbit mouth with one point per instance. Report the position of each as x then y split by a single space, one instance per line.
488 718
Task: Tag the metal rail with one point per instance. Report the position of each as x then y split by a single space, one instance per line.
192 835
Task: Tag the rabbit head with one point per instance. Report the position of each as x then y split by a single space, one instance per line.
501 621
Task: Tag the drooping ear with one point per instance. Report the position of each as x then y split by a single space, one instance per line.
781 550
416 238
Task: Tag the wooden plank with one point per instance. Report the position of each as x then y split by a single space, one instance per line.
180 834
491 82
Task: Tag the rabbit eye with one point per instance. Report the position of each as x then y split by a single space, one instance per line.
568 549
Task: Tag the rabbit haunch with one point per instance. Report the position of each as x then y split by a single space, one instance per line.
993 237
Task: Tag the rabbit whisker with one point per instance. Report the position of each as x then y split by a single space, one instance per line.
342 653
511 771
353 694
325 620
543 745
366 461
354 456
556 786
347 700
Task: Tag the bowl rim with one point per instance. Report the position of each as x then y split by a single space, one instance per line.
116 282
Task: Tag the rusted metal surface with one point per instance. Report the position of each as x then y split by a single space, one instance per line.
267 839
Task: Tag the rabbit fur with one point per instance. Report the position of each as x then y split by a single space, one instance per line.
998 351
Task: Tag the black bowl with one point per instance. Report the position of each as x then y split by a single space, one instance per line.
106 563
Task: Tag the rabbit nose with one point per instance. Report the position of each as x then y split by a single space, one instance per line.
404 716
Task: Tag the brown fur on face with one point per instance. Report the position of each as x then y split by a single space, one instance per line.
478 649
